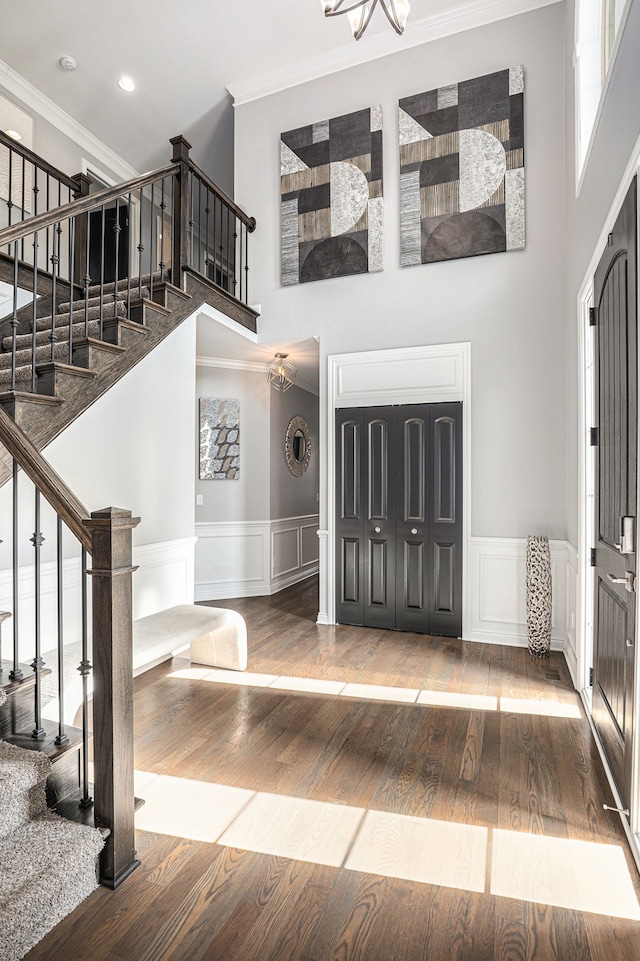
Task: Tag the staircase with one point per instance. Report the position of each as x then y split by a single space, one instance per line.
48 864
89 319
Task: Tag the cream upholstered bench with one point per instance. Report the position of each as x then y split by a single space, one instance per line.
215 636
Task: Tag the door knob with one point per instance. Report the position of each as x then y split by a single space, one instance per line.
414 530
376 530
629 580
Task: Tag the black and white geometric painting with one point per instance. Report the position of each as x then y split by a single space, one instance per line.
331 202
462 169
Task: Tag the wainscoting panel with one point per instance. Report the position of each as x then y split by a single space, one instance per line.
164 578
254 558
497 568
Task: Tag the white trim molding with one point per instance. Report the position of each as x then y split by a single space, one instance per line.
254 558
37 102
439 373
498 591
464 16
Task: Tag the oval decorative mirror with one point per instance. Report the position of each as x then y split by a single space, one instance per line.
297 445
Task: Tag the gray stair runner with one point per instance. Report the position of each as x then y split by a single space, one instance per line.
48 865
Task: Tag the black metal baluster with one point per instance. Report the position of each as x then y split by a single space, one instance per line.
48 207
162 237
207 211
242 227
235 248
87 278
199 223
38 733
228 251
116 230
102 233
72 257
215 234
140 250
85 670
61 737
246 267
191 218
14 318
23 201
152 265
55 260
173 227
10 200
36 191
34 312
16 673
129 209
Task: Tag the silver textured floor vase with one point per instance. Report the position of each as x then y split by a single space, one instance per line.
539 596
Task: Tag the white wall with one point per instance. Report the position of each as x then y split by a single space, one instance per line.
247 497
509 306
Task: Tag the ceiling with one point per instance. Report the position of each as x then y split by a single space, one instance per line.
185 59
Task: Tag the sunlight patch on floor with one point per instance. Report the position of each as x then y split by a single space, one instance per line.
421 849
291 827
577 875
547 707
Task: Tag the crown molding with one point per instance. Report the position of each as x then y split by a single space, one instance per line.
466 16
228 363
36 101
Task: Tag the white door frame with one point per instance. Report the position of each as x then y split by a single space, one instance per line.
406 375
586 415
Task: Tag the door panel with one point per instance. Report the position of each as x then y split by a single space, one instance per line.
379 484
412 523
446 520
616 493
350 518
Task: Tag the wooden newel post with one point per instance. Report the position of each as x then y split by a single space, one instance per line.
181 254
113 688
81 236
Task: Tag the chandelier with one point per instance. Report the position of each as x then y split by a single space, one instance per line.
280 374
359 12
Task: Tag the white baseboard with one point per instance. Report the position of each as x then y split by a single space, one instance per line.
254 558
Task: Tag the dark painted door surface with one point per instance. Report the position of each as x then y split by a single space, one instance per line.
616 493
399 518
102 244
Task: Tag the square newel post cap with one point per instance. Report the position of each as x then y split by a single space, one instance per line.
111 518
181 148
83 183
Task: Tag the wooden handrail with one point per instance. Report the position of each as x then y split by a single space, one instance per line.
38 161
49 483
82 205
249 222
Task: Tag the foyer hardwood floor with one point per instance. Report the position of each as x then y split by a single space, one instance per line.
463 822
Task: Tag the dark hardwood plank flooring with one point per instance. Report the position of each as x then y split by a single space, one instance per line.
527 774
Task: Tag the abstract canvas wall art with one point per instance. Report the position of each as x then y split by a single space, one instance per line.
219 438
331 198
462 169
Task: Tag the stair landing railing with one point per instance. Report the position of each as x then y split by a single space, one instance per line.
104 540
91 259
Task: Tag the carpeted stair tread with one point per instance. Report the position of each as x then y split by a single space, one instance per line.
109 309
23 341
46 869
94 299
43 355
22 787
23 379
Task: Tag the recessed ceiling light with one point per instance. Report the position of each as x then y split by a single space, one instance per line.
126 83
13 134
68 63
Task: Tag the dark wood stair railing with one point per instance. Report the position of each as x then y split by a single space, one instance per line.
105 535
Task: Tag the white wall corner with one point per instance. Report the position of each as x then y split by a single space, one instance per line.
571 646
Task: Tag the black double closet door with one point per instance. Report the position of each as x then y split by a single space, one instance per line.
399 517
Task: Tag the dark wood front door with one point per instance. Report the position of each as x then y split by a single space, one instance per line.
616 495
399 518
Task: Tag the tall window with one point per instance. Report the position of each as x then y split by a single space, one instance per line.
597 26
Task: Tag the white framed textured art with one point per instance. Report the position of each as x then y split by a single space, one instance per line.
219 438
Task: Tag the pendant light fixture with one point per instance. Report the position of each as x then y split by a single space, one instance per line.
281 375
359 12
